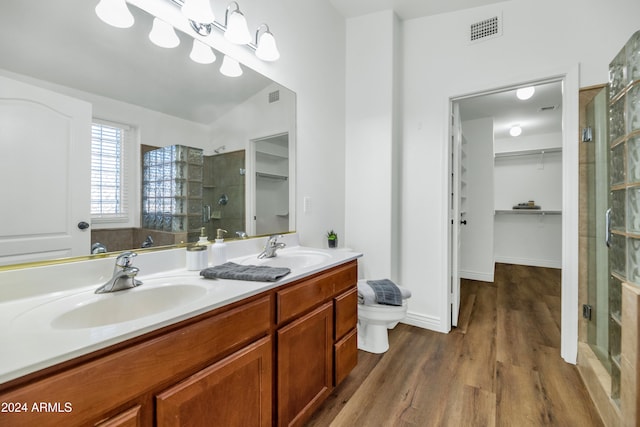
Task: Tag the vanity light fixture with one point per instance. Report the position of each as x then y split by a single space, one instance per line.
115 13
230 67
162 34
266 44
515 130
202 53
525 93
198 11
237 31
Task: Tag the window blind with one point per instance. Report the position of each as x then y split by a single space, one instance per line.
109 178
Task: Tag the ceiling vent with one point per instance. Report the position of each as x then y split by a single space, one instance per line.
274 96
485 29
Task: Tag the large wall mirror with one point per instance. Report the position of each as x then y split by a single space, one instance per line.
64 73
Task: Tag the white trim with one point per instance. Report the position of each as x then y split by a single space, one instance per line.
476 275
570 201
548 263
432 323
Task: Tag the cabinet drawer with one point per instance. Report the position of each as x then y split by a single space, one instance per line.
96 387
299 298
235 391
346 312
346 356
129 418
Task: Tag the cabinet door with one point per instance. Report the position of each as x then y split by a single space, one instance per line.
128 418
346 356
236 391
305 364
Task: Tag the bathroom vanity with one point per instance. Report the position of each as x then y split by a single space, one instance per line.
266 359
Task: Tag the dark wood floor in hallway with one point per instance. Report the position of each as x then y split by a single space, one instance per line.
500 367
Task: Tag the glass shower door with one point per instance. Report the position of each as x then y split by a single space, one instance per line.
597 203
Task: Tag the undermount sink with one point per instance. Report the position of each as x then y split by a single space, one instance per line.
293 260
122 306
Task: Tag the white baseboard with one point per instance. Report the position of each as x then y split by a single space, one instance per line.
425 322
549 263
476 275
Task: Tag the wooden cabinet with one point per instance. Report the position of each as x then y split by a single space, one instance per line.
236 391
215 369
316 350
305 365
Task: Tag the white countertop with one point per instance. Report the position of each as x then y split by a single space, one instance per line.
30 342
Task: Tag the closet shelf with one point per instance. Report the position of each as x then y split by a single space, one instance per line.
271 176
527 152
527 212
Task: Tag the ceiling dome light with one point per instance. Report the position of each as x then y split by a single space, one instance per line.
230 67
515 130
267 49
198 11
115 13
237 31
163 34
201 53
525 93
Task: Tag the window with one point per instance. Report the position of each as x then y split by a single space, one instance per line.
109 173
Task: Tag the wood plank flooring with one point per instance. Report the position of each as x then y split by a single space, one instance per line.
500 367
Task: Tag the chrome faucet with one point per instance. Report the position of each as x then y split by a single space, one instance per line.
124 274
271 247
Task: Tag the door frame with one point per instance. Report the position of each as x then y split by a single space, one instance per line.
570 199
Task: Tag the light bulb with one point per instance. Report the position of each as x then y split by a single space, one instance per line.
267 49
230 67
198 11
163 34
201 53
237 31
525 93
115 13
515 130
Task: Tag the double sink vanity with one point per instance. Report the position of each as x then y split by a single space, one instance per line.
179 349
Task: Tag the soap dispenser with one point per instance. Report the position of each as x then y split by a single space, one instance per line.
219 249
204 239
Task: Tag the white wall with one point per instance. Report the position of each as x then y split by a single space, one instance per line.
476 237
540 39
371 143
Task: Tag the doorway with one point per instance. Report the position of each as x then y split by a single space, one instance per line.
548 115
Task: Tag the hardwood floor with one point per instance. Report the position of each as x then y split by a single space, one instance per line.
500 367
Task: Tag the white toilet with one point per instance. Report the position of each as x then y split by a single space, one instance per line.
373 322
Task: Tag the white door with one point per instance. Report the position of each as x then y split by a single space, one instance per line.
455 209
45 142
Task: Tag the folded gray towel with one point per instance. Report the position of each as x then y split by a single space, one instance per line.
386 292
367 296
257 273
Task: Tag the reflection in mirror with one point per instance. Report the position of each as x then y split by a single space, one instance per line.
72 70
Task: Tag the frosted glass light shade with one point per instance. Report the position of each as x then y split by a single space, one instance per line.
115 13
162 34
237 31
201 53
198 11
267 49
515 130
525 93
230 67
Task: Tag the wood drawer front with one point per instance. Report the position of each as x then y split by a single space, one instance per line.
299 298
101 386
346 312
346 356
244 378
